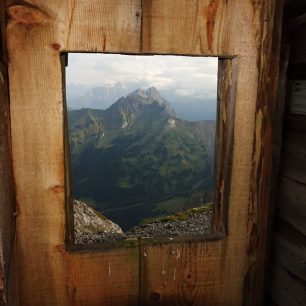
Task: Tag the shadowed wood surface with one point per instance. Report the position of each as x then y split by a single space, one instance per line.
207 272
287 277
227 86
7 199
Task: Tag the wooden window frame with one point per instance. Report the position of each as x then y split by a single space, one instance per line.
225 117
220 272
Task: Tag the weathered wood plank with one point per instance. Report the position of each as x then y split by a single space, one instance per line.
287 265
286 289
78 25
7 198
68 183
190 274
103 278
204 27
227 86
183 27
37 120
265 135
161 25
290 255
291 203
105 26
6 183
293 162
245 106
282 97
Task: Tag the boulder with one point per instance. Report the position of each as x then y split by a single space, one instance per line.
88 221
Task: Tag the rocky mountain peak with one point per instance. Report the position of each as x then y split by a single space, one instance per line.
148 96
154 94
137 93
136 102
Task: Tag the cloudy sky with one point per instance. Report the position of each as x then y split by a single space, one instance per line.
183 77
188 83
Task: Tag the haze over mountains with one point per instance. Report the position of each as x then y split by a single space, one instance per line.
186 105
136 159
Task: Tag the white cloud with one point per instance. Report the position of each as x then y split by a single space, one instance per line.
196 76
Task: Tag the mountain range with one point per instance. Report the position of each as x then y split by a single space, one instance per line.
186 106
136 160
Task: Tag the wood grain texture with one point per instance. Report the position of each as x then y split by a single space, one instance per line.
190 274
293 162
200 27
291 203
226 98
103 278
7 198
287 276
287 271
68 176
265 134
38 155
108 26
252 48
277 143
6 190
290 255
285 289
207 272
38 150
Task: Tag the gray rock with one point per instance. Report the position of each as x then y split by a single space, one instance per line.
91 226
195 224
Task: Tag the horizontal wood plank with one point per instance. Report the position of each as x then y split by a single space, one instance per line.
286 289
293 155
203 27
104 26
291 203
190 274
103 278
290 255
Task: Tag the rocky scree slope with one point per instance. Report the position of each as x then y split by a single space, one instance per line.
92 227
90 224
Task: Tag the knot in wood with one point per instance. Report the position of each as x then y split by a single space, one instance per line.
27 15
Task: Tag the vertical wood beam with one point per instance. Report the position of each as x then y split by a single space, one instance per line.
265 131
227 86
7 199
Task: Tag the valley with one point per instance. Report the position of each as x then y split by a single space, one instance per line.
136 160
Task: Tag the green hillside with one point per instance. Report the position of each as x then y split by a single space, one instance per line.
136 160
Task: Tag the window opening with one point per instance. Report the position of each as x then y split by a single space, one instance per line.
142 144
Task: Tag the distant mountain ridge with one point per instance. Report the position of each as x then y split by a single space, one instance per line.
99 97
102 97
136 157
